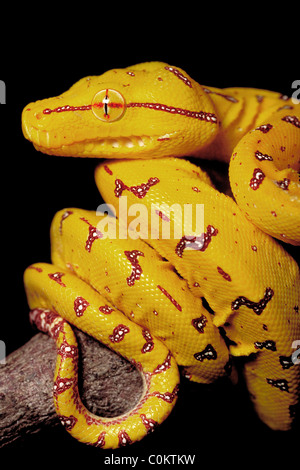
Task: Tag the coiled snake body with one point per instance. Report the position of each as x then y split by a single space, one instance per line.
143 296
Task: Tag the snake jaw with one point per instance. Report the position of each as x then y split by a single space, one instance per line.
110 147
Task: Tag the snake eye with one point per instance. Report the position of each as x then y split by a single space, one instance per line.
108 105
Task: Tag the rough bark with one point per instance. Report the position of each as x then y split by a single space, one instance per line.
109 385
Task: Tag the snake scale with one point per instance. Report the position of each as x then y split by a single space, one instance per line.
143 295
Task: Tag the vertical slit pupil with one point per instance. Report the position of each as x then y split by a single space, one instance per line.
105 102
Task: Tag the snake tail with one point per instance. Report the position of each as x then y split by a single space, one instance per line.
77 302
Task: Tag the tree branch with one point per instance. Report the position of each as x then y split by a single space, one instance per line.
109 385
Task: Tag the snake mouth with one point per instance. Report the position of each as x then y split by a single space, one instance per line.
54 144
108 146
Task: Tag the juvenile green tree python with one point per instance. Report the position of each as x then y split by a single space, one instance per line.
144 297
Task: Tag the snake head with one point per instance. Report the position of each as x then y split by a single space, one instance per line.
147 110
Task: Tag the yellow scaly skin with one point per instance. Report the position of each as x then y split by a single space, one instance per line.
164 113
236 260
51 290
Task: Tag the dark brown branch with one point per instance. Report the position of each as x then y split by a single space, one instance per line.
109 385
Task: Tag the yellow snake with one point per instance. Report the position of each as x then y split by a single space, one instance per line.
142 293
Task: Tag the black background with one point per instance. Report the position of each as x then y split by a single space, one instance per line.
43 58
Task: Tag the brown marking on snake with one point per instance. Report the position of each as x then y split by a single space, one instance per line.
197 243
39 270
136 267
282 384
268 344
94 234
170 298
169 397
162 215
106 309
286 362
108 170
57 278
63 217
257 307
80 305
149 345
257 179
66 108
68 350
208 353
119 333
101 440
44 320
292 120
199 323
124 439
139 191
179 75
164 366
68 422
149 423
62 384
264 128
200 115
226 276
260 156
283 184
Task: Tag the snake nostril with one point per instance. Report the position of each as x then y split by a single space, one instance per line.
108 105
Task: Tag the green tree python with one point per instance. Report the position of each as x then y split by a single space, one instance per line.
143 295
